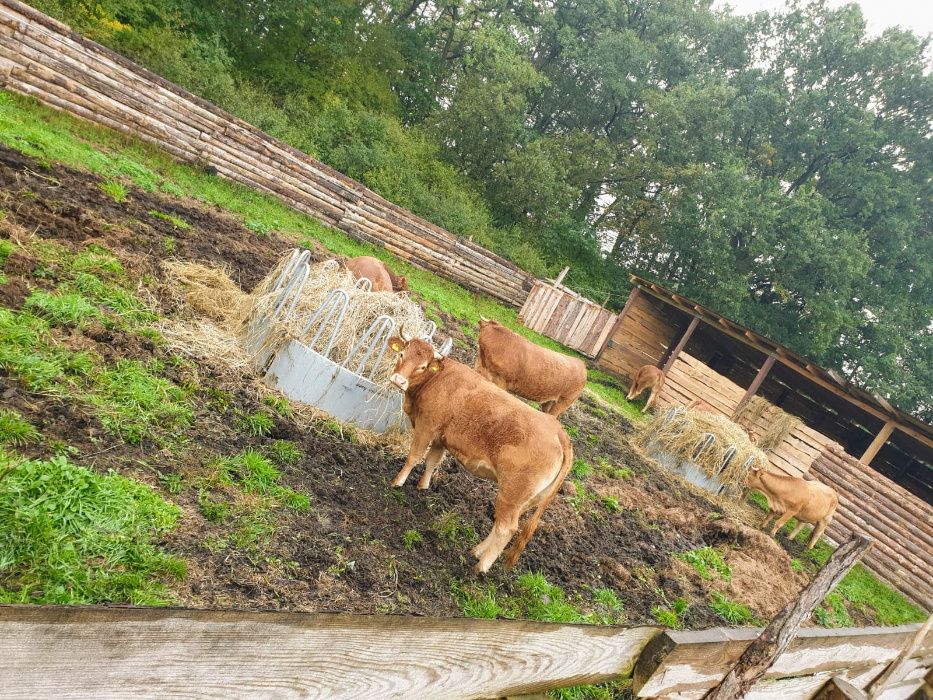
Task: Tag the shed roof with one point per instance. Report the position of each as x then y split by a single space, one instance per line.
827 378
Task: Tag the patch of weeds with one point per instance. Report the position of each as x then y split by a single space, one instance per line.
253 530
706 561
62 309
16 430
832 612
114 298
284 452
611 504
343 564
572 430
796 565
609 609
171 482
220 399
672 614
256 474
603 691
261 227
581 500
876 600
730 611
410 538
537 599
580 469
257 424
69 535
621 473
168 245
450 528
173 220
114 189
593 439
131 401
214 511
477 601
94 260
280 405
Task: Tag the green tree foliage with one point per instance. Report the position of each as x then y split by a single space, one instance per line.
775 167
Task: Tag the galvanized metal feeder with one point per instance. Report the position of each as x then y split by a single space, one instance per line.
305 367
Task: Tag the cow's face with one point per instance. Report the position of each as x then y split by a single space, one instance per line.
417 362
401 284
753 480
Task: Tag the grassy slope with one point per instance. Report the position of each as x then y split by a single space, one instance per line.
51 136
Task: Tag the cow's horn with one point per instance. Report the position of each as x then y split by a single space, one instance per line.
483 319
401 333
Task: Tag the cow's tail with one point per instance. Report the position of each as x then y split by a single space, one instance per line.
532 523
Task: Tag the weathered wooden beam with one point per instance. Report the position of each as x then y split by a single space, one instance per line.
681 344
158 653
882 437
839 689
618 323
560 277
896 671
756 384
761 654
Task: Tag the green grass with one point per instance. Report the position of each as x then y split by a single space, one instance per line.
254 473
72 536
730 611
611 504
284 452
173 220
256 424
114 189
16 430
706 561
880 602
672 614
580 469
411 538
62 309
832 612
450 528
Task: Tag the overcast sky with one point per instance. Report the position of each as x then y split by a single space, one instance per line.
916 15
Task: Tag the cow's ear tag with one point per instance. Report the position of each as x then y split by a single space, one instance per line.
435 366
396 347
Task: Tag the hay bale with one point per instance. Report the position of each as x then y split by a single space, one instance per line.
780 423
684 434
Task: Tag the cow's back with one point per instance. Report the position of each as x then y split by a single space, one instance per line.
372 269
820 501
531 371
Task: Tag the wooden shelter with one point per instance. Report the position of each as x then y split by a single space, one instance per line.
879 458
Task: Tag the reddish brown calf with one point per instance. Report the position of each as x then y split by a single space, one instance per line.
647 377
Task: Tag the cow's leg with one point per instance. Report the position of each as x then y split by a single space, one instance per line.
503 528
633 391
780 522
435 456
420 439
796 531
559 406
817 532
651 398
547 407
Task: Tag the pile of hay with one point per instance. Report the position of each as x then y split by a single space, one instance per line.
780 424
684 434
240 319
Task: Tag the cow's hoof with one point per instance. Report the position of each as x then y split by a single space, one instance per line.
480 569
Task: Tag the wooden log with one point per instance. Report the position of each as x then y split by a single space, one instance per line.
840 689
632 297
761 654
158 652
756 383
878 442
681 344
897 670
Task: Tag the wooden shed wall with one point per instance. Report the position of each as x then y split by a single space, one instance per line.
900 524
567 317
641 338
45 59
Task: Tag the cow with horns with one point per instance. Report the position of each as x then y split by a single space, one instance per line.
491 433
512 363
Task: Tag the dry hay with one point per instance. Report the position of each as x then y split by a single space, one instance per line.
779 423
684 434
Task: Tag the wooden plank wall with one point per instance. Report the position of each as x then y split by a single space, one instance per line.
900 523
567 317
641 339
162 652
43 58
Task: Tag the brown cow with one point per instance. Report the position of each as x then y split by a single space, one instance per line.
512 363
790 496
647 377
377 272
494 435
701 405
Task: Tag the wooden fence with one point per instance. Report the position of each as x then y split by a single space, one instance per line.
160 652
899 523
567 317
44 58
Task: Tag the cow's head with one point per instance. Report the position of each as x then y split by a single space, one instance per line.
417 362
753 478
400 284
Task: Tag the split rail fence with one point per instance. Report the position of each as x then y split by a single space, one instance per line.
47 60
162 652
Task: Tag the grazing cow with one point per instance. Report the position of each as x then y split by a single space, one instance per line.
512 363
790 496
493 434
647 377
377 272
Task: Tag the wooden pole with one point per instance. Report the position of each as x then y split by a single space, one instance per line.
560 277
756 384
774 639
615 326
876 444
681 344
893 672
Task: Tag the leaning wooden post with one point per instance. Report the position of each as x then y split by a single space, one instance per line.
894 671
773 641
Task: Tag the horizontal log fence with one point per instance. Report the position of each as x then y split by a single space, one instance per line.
43 58
567 317
105 652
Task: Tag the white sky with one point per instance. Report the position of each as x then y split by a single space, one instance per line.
916 15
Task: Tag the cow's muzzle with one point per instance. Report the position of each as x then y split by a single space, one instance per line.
399 381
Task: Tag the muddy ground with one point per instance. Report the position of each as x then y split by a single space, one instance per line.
348 552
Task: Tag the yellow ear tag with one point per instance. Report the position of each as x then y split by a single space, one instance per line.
396 347
435 368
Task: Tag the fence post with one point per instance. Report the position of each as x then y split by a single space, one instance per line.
892 673
560 277
771 643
